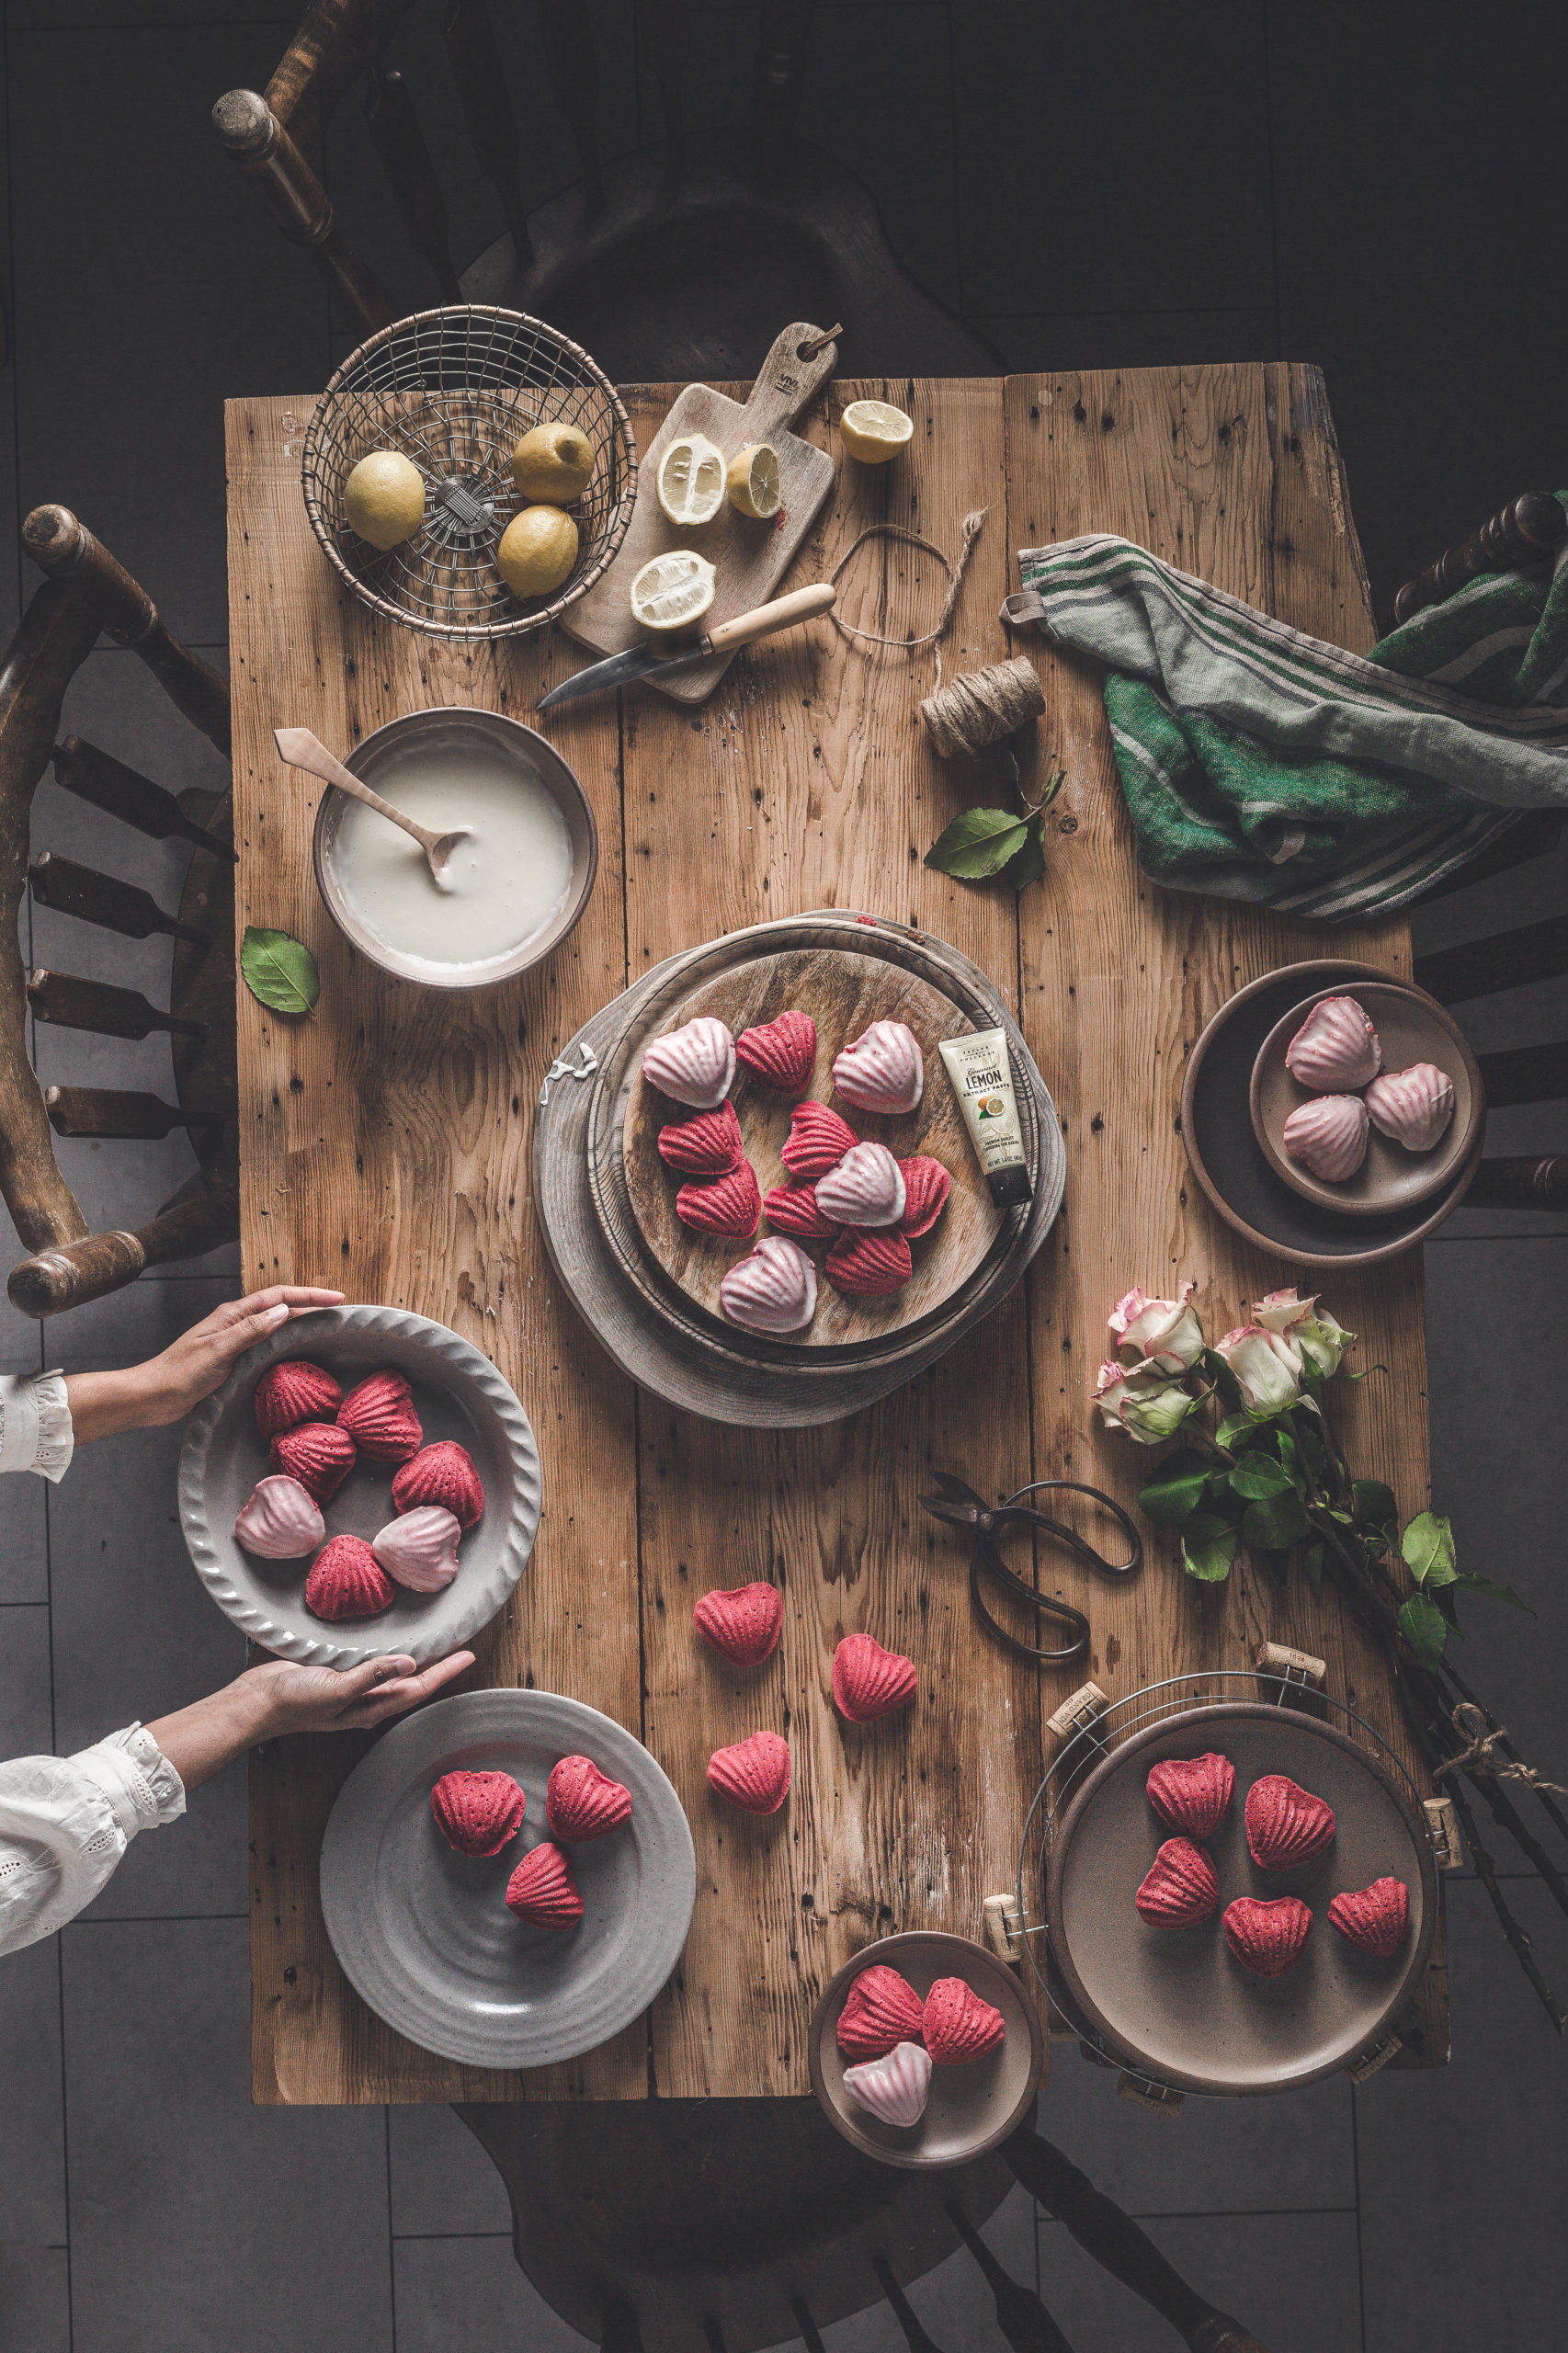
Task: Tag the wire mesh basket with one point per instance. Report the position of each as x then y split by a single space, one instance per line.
455 389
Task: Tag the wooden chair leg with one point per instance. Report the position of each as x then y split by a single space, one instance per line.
1118 2246
1526 1074
120 792
1021 2316
1509 960
1525 1183
1519 535
399 142
261 148
475 62
73 1272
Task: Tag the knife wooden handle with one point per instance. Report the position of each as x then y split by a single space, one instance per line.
800 605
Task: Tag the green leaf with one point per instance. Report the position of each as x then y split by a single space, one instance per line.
1427 1545
1276 1563
978 843
1256 1477
1176 1488
1290 1453
1275 1525
279 971
1466 1581
1027 865
1424 1627
1234 1426
1208 1547
1313 1558
1375 1506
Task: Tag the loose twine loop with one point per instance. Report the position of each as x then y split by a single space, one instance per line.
1482 1754
972 528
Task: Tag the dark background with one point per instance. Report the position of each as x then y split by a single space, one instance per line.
1379 190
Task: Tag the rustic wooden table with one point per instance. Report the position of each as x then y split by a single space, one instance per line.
386 1149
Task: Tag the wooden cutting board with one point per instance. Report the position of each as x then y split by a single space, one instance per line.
750 557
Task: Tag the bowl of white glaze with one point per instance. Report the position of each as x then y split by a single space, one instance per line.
519 884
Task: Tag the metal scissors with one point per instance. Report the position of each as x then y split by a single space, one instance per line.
959 1505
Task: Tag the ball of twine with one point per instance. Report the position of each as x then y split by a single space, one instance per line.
983 707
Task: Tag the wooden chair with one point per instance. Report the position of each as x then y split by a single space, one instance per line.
733 2225
671 264
1536 951
88 592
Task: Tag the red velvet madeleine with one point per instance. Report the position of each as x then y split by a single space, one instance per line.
443 1474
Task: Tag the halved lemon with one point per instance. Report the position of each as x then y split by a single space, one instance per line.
753 482
874 431
691 480
673 591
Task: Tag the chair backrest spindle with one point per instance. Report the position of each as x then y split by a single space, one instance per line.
475 60
400 143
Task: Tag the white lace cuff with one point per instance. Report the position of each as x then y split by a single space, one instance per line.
140 1785
35 1424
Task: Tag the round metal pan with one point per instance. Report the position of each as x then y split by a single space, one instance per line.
1176 2004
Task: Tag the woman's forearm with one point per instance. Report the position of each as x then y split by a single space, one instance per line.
199 1741
104 1403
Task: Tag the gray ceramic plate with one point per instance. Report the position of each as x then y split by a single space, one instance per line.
1175 2004
1412 1028
970 2109
425 1935
458 1393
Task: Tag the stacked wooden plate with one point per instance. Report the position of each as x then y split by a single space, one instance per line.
649 1287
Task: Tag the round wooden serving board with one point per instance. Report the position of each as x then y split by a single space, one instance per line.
844 994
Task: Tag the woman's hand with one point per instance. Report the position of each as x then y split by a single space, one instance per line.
285 1697
147 1395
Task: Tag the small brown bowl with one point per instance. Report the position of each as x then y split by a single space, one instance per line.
448 731
972 2108
1412 1028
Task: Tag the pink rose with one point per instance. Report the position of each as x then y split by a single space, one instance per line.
1163 1332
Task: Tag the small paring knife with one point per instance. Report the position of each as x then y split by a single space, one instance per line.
643 662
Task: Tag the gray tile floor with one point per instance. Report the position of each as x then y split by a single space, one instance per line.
1089 188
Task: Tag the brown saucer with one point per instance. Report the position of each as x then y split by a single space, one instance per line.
1175 2004
1412 1028
971 2109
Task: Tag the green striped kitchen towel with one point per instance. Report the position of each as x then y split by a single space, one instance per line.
1261 764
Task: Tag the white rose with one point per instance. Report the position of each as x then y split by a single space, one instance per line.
1164 1332
1266 1365
1141 1400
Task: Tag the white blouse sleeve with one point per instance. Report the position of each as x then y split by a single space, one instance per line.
35 1424
66 1821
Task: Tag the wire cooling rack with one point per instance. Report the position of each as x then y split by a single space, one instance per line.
1097 1737
455 389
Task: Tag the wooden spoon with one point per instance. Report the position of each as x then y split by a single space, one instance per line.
301 749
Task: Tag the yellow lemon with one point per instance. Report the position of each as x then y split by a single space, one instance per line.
537 550
873 431
753 482
673 591
384 498
553 462
691 480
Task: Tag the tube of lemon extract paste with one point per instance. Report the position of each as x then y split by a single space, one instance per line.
981 1078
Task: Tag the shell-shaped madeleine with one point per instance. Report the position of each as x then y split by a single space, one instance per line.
709 1145
742 1622
694 1063
1374 1918
420 1549
869 1681
478 1813
883 1069
294 1391
1413 1106
865 1189
319 1454
1192 1793
868 1265
773 1289
754 1774
1336 1047
581 1803
347 1581
379 1415
926 1184
730 1205
817 1141
1286 1824
881 2008
543 1890
782 1053
792 1209
1328 1135
894 2088
1180 1887
1267 1937
282 1521
959 2025
444 1473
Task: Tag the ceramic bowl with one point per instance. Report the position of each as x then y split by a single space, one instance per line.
458 1393
1412 1028
971 2109
447 734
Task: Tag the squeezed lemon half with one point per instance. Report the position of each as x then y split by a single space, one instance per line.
673 591
753 482
384 498
537 550
874 431
691 480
